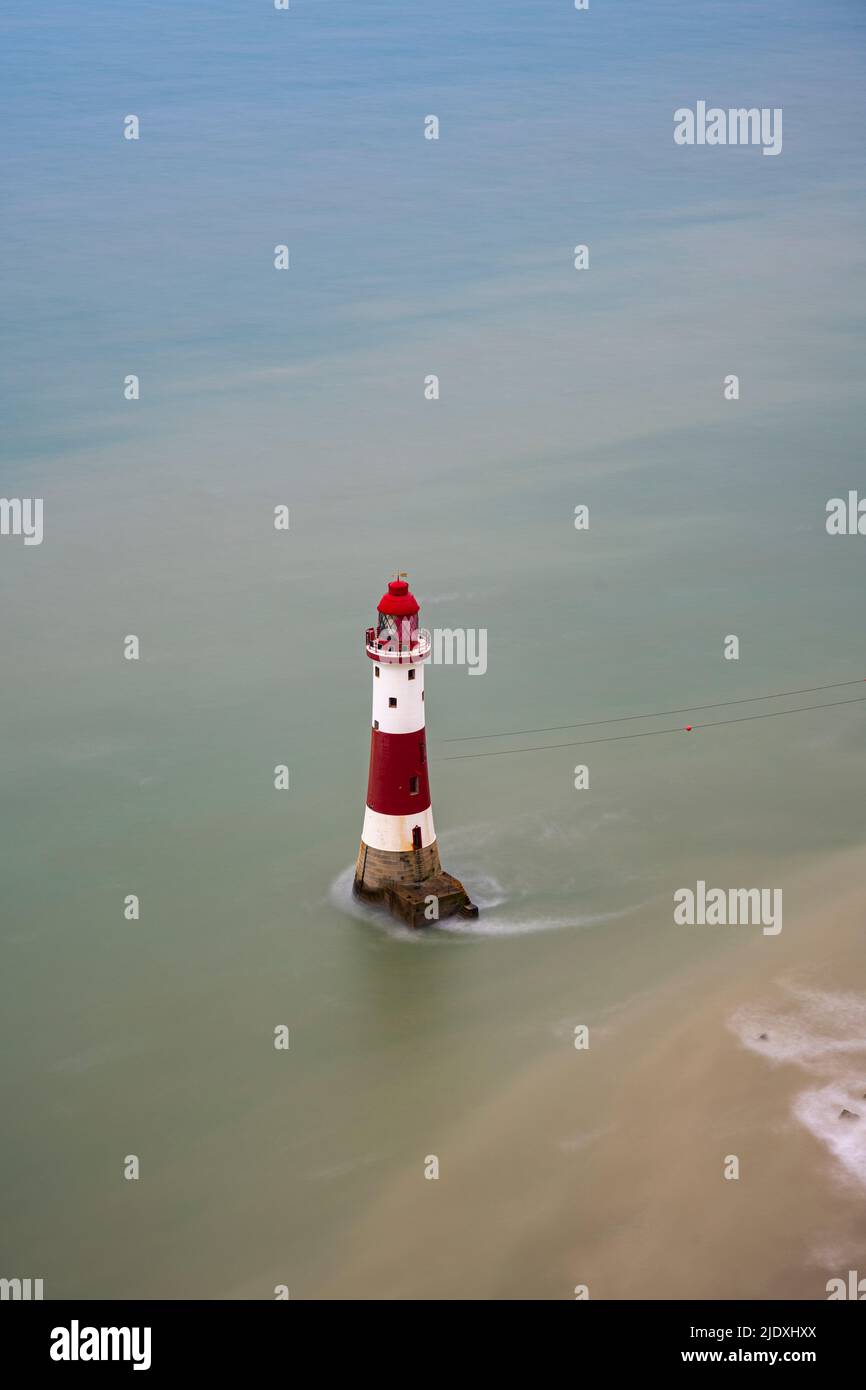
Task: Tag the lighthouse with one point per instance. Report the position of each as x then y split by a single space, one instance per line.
398 861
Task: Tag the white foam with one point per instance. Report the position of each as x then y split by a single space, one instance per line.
487 893
580 1141
342 896
824 1034
499 926
819 1110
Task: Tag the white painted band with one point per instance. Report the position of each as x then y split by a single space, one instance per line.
395 832
406 716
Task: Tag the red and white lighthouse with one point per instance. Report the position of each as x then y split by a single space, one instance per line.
398 862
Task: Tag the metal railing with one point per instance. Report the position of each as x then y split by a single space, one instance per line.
393 652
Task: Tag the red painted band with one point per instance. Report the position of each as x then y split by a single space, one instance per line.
395 760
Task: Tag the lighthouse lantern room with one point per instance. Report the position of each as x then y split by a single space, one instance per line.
398 861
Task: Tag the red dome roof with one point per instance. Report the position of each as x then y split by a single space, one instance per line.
398 602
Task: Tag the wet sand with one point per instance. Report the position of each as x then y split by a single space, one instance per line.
605 1167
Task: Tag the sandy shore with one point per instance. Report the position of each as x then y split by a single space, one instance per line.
606 1168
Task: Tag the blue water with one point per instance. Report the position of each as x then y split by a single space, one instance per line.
408 257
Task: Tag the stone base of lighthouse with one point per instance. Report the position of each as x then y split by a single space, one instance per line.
405 881
376 868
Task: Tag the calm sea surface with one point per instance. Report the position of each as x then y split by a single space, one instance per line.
155 778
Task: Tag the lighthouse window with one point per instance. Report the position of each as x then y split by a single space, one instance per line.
413 786
375 723
412 674
392 701
376 669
